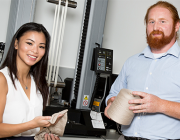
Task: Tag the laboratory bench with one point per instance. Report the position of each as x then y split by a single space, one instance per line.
110 135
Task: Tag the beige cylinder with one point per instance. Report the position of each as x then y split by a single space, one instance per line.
119 109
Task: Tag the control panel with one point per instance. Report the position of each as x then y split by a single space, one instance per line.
103 60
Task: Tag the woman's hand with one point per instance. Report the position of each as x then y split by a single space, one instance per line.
41 121
51 137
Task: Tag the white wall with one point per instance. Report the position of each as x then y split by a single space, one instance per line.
4 17
125 29
44 14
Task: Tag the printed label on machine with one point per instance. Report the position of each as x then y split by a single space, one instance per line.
85 100
96 103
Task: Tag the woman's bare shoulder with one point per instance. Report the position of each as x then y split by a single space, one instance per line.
3 82
2 78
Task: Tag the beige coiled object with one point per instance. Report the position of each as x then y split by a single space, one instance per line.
57 128
119 109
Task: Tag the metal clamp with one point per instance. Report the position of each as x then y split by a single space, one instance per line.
71 4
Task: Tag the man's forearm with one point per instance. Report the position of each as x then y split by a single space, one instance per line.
170 108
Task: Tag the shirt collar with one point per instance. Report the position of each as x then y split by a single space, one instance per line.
174 50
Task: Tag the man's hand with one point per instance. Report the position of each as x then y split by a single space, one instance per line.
109 102
148 103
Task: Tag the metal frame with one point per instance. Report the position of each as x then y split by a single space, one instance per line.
71 4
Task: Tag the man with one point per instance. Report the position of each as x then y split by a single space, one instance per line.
154 75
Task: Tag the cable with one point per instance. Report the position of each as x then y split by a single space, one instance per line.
118 128
60 78
95 89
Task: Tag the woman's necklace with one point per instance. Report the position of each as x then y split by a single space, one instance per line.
26 87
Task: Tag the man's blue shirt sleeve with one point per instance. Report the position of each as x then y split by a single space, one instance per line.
119 83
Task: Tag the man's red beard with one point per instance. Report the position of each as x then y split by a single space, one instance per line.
158 43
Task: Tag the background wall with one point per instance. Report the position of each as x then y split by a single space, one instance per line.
124 27
4 16
125 31
44 14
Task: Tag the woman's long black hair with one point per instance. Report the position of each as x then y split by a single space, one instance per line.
38 71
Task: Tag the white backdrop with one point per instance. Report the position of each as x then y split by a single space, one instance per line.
44 14
124 27
4 16
125 31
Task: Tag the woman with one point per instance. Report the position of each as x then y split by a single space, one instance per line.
23 86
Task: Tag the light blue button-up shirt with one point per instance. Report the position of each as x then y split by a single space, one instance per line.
160 77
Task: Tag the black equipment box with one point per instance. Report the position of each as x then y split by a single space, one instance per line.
79 121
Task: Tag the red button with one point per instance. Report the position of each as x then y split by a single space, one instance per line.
99 64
